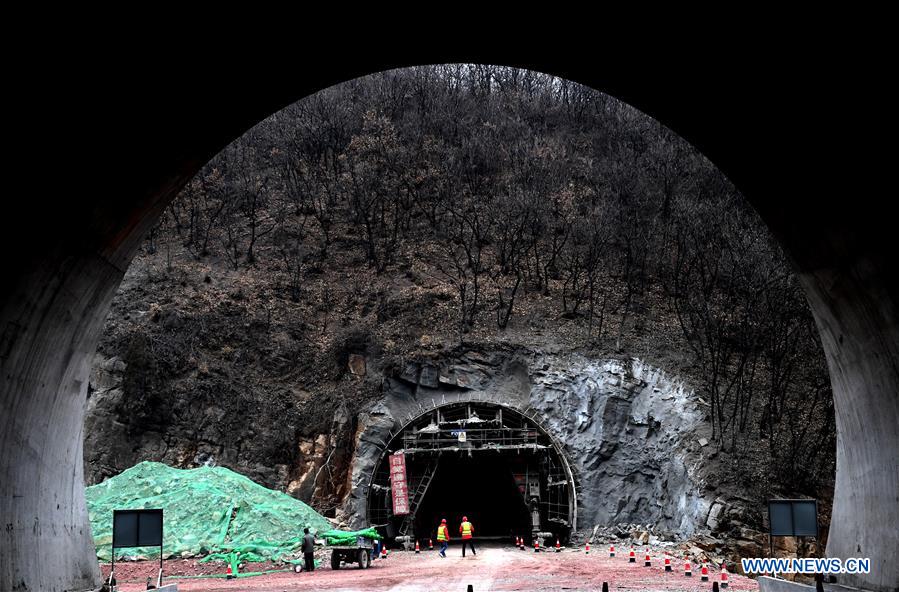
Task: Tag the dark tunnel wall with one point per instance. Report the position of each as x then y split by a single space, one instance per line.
774 133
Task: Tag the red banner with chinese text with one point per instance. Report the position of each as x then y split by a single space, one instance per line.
398 486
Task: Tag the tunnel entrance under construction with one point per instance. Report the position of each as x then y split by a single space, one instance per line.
489 462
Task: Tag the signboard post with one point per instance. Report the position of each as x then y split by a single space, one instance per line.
792 517
398 486
137 528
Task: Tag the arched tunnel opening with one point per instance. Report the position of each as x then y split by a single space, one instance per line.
56 297
484 461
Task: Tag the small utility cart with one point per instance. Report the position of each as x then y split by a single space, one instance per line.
359 553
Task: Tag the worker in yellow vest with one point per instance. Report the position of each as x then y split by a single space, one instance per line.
467 531
443 537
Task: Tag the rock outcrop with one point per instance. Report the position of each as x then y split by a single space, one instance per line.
629 431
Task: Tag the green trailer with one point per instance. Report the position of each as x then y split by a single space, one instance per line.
349 547
359 553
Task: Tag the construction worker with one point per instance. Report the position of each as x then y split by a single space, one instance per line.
467 530
308 550
443 537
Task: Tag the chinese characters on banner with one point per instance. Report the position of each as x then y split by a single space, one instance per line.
398 484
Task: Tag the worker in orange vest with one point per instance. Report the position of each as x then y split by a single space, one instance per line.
443 537
467 530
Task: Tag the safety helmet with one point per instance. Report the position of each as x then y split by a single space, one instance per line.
443 521
464 518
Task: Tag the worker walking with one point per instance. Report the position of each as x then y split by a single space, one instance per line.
308 550
443 537
467 530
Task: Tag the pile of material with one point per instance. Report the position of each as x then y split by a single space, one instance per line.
209 510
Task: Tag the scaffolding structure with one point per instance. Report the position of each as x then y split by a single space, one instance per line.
472 428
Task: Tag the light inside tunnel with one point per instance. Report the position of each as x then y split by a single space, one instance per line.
485 461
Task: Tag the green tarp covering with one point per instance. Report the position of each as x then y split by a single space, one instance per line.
206 511
341 537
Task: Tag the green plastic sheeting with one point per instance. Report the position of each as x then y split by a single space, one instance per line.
208 510
340 537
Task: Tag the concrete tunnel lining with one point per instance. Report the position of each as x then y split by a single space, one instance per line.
56 299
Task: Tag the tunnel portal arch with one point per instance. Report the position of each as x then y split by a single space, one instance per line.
57 291
494 462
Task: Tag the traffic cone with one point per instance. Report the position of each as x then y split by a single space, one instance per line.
536 545
647 562
631 558
611 550
687 571
558 548
667 564
521 543
383 552
430 545
587 548
229 575
704 574
723 575
417 550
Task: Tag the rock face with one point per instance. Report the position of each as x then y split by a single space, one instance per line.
628 430
259 435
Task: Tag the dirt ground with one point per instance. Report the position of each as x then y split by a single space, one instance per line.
494 568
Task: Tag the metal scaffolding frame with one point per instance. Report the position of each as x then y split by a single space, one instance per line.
476 426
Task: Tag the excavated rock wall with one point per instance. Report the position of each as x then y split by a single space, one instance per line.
633 435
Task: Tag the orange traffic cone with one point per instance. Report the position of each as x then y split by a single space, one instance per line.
687 571
384 552
558 548
587 548
631 558
229 575
723 575
417 550
536 545
667 564
704 574
521 543
647 562
430 545
611 550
